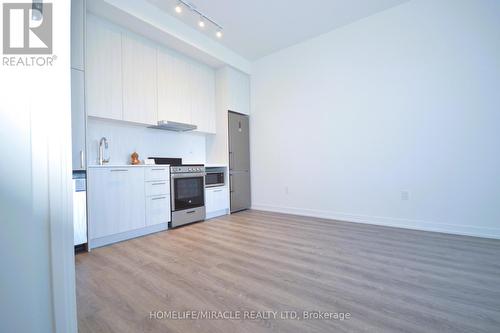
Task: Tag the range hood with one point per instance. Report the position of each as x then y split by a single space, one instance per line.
173 126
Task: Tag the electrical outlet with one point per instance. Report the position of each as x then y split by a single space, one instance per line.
405 195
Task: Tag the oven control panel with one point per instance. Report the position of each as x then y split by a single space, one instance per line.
187 168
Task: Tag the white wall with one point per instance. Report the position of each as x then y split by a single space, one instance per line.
405 100
125 138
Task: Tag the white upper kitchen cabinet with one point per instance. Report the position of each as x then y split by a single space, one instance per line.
139 80
77 34
238 91
174 87
78 119
203 97
103 69
133 79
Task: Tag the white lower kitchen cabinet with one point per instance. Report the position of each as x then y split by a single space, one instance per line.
118 206
116 200
216 201
157 189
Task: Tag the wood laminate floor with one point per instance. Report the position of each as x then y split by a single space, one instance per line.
387 279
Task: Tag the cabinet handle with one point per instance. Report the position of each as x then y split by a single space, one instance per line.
158 169
158 183
158 198
81 159
218 191
119 170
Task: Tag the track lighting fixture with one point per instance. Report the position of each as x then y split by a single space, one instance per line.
202 22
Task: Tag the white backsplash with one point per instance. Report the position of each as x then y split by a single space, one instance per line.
125 138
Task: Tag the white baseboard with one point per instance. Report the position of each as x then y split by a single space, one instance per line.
387 221
211 215
107 240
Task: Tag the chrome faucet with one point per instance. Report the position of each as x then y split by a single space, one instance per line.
103 144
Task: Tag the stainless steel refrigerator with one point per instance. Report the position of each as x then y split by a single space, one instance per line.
239 161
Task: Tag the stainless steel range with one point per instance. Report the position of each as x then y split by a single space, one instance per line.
187 190
187 194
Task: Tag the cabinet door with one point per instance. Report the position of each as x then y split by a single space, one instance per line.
139 80
209 200
78 119
238 91
203 98
103 69
134 208
116 200
222 198
173 78
77 33
157 209
217 199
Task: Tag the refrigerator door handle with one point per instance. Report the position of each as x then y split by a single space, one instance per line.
81 160
231 183
230 160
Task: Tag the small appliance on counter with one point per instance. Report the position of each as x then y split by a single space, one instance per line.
187 190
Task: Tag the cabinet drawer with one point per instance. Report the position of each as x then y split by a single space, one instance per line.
157 173
157 188
157 209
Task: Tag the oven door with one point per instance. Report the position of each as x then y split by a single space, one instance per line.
188 191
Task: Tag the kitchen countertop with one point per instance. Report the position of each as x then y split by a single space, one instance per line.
149 166
127 166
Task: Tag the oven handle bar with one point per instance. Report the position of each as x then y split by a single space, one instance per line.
187 175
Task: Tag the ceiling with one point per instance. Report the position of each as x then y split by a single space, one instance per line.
256 28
